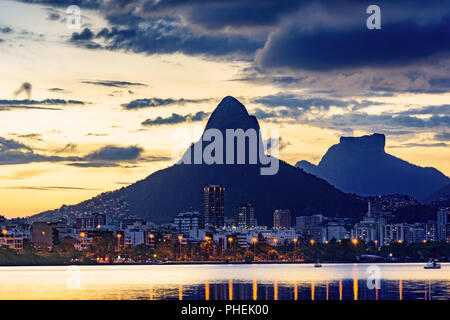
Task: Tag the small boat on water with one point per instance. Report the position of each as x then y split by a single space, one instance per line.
317 264
432 264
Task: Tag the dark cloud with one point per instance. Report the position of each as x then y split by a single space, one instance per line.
389 123
288 41
390 92
14 107
6 30
298 102
58 90
8 105
264 115
443 83
53 16
86 4
85 35
363 119
9 144
22 157
158 102
51 188
199 116
311 35
96 134
114 153
423 145
443 136
115 83
41 102
68 148
434 110
175 119
327 48
219 15
104 164
278 115
13 152
30 136
167 35
333 36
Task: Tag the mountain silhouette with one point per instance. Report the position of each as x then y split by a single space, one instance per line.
360 165
441 193
164 193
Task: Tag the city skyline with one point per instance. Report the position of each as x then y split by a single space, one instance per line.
120 101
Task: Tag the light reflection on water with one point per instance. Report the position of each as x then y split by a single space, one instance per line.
225 282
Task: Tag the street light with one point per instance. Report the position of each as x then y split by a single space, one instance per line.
295 246
254 240
4 232
311 241
82 235
230 240
275 240
119 235
355 241
180 237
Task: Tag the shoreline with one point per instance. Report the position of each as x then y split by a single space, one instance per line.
181 263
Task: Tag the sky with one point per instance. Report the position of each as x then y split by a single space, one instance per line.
93 109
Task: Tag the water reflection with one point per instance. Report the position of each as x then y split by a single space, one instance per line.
255 290
295 291
228 282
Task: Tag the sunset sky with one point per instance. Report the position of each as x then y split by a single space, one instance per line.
107 100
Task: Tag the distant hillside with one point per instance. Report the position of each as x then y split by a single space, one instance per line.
440 194
360 165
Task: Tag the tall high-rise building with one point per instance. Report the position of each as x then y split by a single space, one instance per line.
431 231
214 197
442 220
282 219
245 216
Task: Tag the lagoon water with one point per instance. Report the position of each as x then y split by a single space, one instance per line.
406 281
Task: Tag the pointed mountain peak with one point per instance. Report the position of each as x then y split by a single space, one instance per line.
231 114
